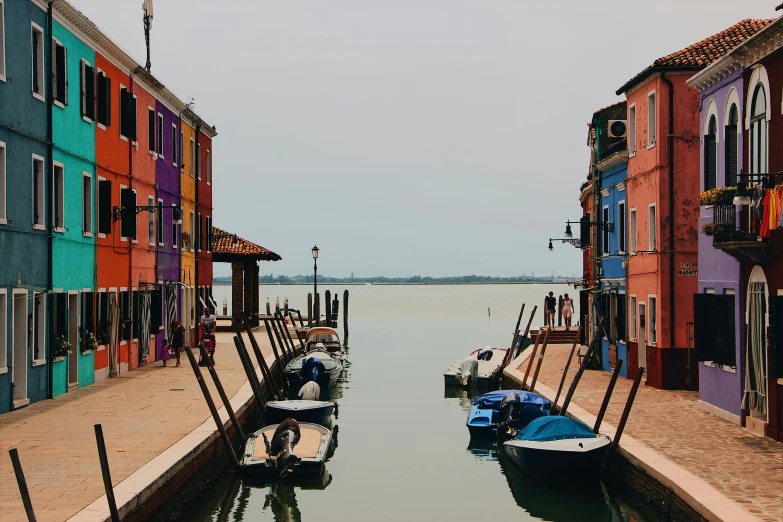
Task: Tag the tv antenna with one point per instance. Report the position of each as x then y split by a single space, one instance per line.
146 5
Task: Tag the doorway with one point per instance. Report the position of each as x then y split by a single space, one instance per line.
19 362
73 338
643 339
756 385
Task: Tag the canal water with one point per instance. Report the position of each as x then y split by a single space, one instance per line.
403 450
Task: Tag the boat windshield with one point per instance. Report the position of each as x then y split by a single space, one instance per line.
323 338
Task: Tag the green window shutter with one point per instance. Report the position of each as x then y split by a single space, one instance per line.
703 331
710 162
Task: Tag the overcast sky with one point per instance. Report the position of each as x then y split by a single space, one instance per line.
404 137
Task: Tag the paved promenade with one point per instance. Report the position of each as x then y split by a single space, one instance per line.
742 466
143 413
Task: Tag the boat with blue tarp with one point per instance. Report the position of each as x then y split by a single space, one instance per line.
316 365
487 411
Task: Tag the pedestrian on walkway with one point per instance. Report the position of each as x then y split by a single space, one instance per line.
568 311
177 337
163 352
551 303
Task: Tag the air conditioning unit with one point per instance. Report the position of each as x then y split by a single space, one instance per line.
618 128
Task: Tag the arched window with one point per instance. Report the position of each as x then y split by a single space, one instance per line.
758 131
731 147
710 155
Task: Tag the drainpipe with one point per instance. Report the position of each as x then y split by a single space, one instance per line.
670 137
48 198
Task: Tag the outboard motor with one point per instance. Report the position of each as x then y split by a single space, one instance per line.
281 448
468 370
508 415
312 368
309 392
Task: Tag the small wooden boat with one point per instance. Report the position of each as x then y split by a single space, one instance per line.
484 416
324 335
316 365
314 412
480 368
558 446
312 448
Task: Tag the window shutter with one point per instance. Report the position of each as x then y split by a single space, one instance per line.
156 312
35 61
584 230
88 312
124 111
133 117
135 315
151 124
128 221
731 155
65 75
107 94
620 318
104 206
54 66
723 329
60 66
83 87
703 322
89 92
710 162
775 336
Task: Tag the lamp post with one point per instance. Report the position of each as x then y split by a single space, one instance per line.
315 270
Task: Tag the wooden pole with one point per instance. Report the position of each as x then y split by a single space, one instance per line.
568 365
507 358
317 309
222 393
345 312
310 310
527 331
107 486
240 321
280 329
268 328
540 360
532 357
212 408
301 323
288 334
328 307
273 322
624 418
577 377
20 480
607 396
249 371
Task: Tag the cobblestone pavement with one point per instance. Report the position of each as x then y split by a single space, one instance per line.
143 412
744 467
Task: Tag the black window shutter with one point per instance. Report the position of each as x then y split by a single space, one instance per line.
584 230
107 81
710 162
775 336
124 112
61 304
703 322
151 125
35 62
731 155
89 92
133 132
104 206
128 221
101 98
156 312
620 318
159 210
102 333
723 332
60 73
135 317
88 312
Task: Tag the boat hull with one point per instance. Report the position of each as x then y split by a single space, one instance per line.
562 458
488 370
315 412
254 460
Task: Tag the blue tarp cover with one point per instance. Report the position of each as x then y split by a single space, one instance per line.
555 428
493 399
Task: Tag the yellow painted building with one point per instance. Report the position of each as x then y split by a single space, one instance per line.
188 187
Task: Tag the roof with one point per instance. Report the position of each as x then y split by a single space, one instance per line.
221 246
701 54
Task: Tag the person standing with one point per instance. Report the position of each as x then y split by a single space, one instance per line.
568 311
177 337
163 352
551 303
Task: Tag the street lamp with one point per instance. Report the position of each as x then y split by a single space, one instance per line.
551 248
315 270
568 232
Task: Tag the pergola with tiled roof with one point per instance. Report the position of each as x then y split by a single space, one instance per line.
244 257
701 54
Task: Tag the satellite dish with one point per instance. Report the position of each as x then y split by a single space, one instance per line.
146 5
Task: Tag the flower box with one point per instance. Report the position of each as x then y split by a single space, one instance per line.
59 358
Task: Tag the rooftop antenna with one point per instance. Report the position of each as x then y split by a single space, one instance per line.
146 5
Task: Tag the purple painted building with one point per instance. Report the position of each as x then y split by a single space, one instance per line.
721 368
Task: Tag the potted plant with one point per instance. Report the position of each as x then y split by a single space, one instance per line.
718 196
186 240
62 348
88 341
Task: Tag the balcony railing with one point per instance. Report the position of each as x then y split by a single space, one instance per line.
736 232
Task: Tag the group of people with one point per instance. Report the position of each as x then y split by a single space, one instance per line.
176 340
550 305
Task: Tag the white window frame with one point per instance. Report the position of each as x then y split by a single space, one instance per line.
160 224
55 165
208 166
174 144
98 121
632 130
2 41
652 119
41 68
652 227
151 221
652 310
622 218
97 202
192 158
632 320
41 184
632 231
192 231
159 137
152 151
3 320
39 330
87 233
83 90
52 58
3 183
181 150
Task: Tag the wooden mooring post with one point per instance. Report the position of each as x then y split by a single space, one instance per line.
577 377
212 408
328 307
106 472
607 396
310 310
532 358
521 341
281 328
345 313
22 483
266 372
317 310
268 328
301 322
507 358
250 371
567 365
540 360
624 418
222 393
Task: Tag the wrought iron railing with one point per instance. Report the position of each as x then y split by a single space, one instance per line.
733 223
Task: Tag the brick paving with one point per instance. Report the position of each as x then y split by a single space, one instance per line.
744 467
143 413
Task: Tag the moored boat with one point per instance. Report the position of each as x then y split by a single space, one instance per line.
315 412
324 335
480 368
310 451
485 412
316 365
558 446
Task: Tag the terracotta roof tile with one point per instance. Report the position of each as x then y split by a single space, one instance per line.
221 245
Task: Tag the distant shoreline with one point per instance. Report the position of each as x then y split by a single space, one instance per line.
409 284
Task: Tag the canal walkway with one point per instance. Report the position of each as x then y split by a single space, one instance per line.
143 413
739 465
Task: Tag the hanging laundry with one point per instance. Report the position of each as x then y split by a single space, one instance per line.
764 230
774 208
780 207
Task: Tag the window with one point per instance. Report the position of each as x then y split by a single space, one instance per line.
651 120
711 155
652 316
58 198
2 53
125 315
632 232
59 73
88 317
38 192
3 298
104 99
209 234
3 178
632 318
127 114
87 89
161 239
632 130
198 160
102 326
621 227
127 198
135 314
192 231
37 52
192 158
758 131
209 168
39 330
731 147
86 204
104 206
652 226
160 135
197 239
151 221
174 144
181 151
151 129
174 234
605 231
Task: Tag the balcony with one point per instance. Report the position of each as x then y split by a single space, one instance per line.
736 233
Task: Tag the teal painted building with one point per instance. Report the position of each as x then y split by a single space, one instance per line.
73 241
